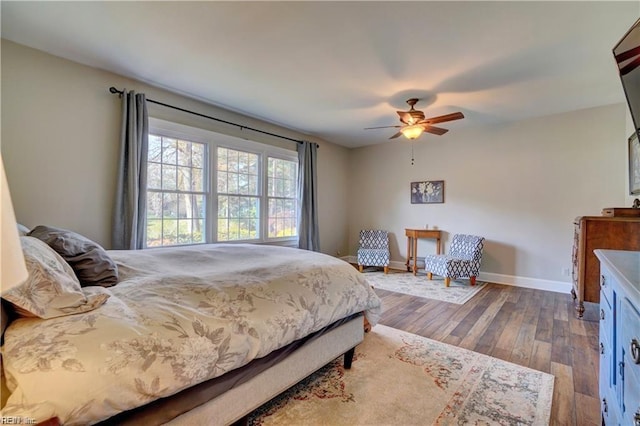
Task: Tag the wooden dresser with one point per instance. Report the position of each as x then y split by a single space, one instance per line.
598 232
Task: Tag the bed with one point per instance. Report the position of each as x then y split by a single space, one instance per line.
179 322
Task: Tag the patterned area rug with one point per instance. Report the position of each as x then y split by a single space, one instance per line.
459 291
398 378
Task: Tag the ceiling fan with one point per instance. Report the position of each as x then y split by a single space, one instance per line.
414 123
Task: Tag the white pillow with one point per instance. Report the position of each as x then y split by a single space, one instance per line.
22 230
52 289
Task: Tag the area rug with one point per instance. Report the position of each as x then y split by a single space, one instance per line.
459 291
398 378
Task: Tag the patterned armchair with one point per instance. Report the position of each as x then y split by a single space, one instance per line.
463 260
374 249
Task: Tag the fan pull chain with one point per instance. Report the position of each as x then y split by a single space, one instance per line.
412 153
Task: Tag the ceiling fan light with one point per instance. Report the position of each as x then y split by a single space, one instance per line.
412 132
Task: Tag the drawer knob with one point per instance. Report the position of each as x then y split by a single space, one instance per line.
603 282
601 349
604 405
635 351
636 418
602 314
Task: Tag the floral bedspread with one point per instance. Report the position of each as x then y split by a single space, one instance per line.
177 317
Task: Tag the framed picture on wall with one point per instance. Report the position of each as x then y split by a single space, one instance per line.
427 192
634 165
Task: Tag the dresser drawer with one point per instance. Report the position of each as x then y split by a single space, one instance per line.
631 385
606 321
608 410
606 287
630 331
605 352
630 345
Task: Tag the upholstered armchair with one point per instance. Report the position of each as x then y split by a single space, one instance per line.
374 249
462 261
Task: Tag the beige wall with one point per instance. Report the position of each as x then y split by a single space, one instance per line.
60 137
519 185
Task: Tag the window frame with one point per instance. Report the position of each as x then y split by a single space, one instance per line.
212 141
268 197
175 133
260 195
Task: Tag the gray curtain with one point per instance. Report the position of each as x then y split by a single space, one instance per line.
129 220
309 236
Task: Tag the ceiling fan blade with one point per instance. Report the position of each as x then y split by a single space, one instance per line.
396 135
382 127
443 118
435 130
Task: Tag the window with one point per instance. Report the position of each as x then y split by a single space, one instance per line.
207 187
176 192
238 195
282 182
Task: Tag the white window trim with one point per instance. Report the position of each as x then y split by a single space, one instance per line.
213 140
266 197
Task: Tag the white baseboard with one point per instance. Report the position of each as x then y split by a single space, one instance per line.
350 259
526 282
534 283
394 264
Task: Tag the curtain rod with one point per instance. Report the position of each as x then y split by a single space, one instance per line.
121 92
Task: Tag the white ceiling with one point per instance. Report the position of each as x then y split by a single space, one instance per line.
330 69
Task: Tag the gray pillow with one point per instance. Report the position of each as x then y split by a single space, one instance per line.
90 262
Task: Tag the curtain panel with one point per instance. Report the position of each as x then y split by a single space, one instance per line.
308 233
129 222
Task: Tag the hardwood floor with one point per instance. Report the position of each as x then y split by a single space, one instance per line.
533 328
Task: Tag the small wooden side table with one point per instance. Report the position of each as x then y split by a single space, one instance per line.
412 245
